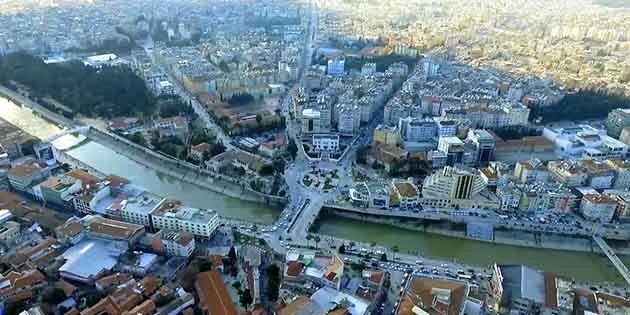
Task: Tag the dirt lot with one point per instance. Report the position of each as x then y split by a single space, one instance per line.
26 209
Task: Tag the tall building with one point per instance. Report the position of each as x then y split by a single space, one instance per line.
617 120
485 145
453 148
417 129
336 66
453 183
311 121
172 215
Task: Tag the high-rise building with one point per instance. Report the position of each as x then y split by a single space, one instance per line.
453 148
484 143
417 129
453 183
336 66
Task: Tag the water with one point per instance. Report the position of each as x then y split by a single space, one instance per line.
578 265
108 161
581 266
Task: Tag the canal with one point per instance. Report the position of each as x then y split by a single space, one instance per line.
108 161
578 265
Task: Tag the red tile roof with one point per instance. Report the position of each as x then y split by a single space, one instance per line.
213 294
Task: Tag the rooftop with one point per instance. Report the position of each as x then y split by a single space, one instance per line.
89 258
213 294
433 296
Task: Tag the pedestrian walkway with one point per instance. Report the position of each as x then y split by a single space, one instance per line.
625 273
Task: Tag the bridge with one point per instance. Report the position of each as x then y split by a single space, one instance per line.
625 273
80 129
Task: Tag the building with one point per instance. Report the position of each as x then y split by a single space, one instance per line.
622 173
455 183
433 296
485 145
417 129
600 208
20 286
531 171
617 120
60 190
173 244
23 177
197 152
331 301
547 197
585 141
528 291
9 231
453 148
90 259
214 298
302 266
568 172
172 215
326 142
311 121
173 127
336 66
386 135
457 188
405 194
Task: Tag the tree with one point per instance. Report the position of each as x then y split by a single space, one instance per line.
53 296
362 154
395 249
342 249
266 170
205 265
138 138
246 299
317 239
278 165
292 148
384 257
232 255
273 282
237 285
309 237
259 119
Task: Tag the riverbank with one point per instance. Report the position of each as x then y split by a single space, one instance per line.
503 237
175 168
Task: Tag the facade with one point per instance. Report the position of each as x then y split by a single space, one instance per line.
172 215
336 67
24 177
311 121
326 142
453 148
386 135
617 120
453 183
405 194
600 208
485 145
531 171
416 129
173 244
9 231
59 190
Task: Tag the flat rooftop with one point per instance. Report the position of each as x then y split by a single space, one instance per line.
11 134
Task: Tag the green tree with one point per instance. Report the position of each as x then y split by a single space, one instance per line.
362 154
273 282
384 257
317 239
53 296
138 138
342 249
259 119
309 237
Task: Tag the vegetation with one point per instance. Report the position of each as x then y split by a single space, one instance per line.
582 105
137 138
241 99
362 154
273 282
53 296
174 106
107 92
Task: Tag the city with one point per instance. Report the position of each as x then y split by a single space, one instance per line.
307 157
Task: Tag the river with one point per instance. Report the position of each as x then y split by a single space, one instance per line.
578 265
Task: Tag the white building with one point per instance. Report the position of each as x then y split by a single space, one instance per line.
174 244
172 215
326 142
584 141
417 129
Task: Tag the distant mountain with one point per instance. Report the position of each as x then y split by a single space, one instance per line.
614 3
